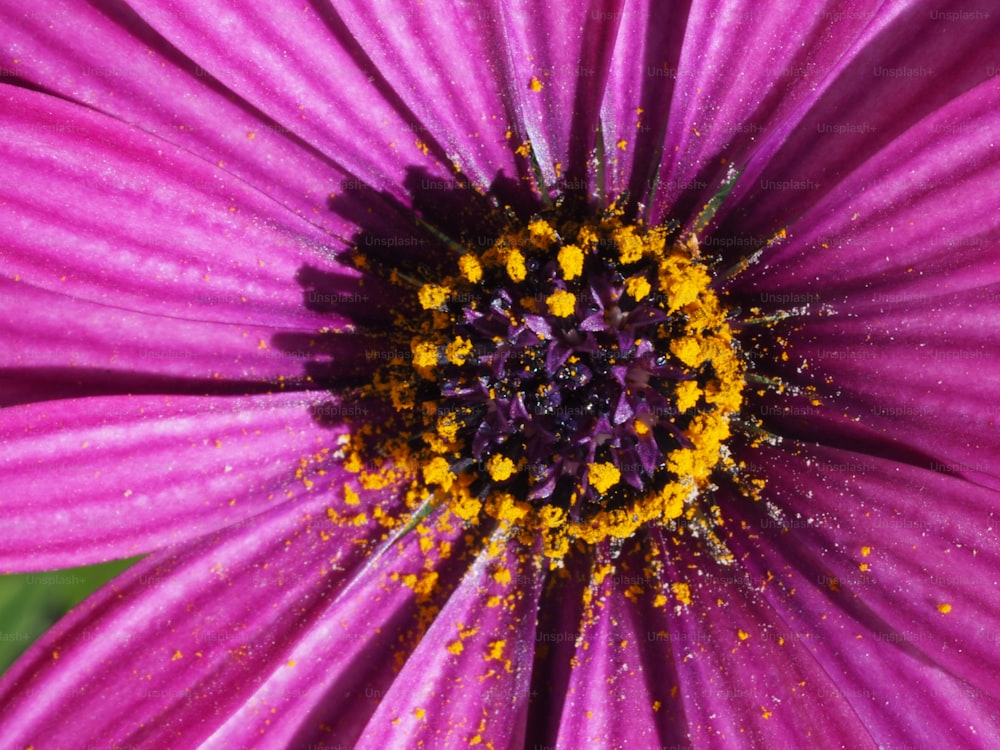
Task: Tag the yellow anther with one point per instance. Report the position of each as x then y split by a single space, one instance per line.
603 476
500 468
515 266
561 303
542 232
439 472
687 395
637 287
470 267
458 351
432 296
570 261
425 353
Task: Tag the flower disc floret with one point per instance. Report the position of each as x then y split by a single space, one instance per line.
581 374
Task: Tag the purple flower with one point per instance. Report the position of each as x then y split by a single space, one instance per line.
510 374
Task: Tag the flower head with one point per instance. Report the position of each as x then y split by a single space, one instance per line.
506 374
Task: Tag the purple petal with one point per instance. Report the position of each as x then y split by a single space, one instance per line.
438 696
906 64
291 80
249 629
102 478
901 563
739 75
422 63
556 80
124 219
638 94
915 220
97 348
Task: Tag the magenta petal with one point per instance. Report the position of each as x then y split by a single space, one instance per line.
617 668
306 74
110 214
739 75
234 625
904 576
96 348
556 79
456 100
285 136
475 647
914 221
908 63
105 57
343 657
637 97
96 479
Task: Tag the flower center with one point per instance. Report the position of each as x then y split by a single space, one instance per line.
570 378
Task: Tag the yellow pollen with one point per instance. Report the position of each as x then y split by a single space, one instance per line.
458 351
682 591
542 232
515 266
551 517
561 303
687 395
432 296
500 468
638 288
570 261
687 350
630 244
470 267
439 472
350 496
425 354
603 476
535 84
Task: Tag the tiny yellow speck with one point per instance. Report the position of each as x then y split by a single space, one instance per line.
623 144
177 655
944 608
742 634
350 496
535 84
865 551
